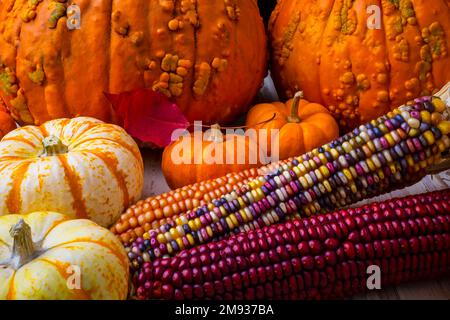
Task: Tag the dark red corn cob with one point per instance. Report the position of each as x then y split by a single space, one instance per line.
320 257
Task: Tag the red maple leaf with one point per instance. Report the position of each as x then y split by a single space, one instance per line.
148 115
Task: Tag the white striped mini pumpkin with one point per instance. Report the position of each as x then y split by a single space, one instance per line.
82 167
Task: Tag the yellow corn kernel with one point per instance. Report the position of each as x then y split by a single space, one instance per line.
243 215
161 239
209 231
444 126
169 248
297 171
347 174
229 223
428 135
234 219
439 105
425 116
180 243
370 164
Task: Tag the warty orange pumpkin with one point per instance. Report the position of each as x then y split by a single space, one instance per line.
299 125
7 123
194 51
326 49
196 157
82 167
46 256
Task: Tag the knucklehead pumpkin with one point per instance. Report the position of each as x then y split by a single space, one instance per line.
43 253
201 156
359 61
57 58
298 125
82 167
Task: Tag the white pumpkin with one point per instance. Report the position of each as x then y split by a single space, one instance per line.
82 167
44 255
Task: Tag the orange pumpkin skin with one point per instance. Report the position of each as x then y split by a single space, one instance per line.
314 127
193 51
179 174
326 49
7 123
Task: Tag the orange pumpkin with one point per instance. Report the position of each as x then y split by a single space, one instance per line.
198 157
302 126
334 51
193 51
7 123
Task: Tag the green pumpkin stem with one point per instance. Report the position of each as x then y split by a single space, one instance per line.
53 146
294 118
23 246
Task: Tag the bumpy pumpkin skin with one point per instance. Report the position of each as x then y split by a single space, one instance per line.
98 177
62 243
326 49
178 175
7 123
193 51
315 127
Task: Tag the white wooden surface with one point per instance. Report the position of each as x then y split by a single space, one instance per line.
155 184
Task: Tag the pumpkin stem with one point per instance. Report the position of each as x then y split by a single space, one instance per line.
294 118
53 146
214 134
23 246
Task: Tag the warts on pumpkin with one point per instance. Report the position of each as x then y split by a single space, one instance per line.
232 9
59 11
38 75
120 25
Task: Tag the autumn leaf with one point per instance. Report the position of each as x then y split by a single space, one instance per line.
147 115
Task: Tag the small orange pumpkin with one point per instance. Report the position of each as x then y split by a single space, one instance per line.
7 123
302 125
197 157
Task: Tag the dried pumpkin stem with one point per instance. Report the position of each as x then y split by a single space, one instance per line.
53 146
294 118
23 246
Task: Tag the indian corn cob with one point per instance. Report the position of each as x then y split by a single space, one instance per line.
320 257
156 211
385 154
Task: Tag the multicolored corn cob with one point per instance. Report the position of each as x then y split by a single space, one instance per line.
159 210
322 257
385 154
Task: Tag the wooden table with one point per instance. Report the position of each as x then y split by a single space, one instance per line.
155 184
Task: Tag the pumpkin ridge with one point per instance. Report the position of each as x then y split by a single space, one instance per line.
112 164
53 226
195 51
321 49
108 52
73 180
20 139
120 143
11 290
14 198
32 132
3 243
83 294
85 131
419 27
97 242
